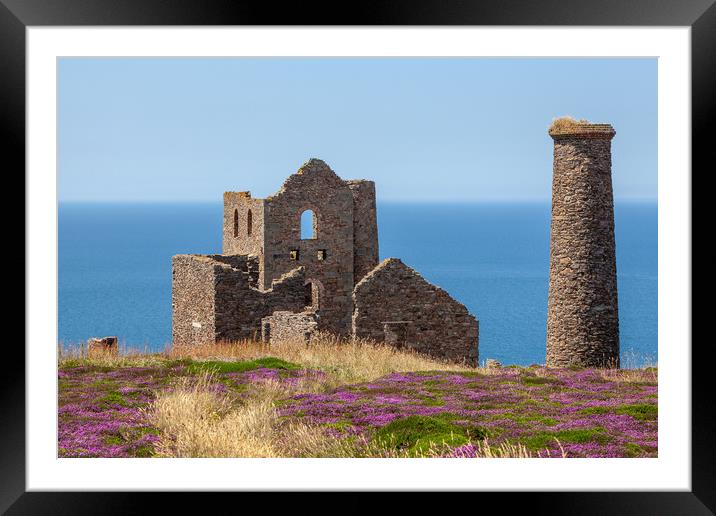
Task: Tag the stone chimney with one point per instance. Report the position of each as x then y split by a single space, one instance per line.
582 319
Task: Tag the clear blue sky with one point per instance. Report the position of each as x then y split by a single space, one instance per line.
156 129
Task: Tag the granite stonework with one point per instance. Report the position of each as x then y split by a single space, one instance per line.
214 298
395 304
317 188
268 266
98 347
289 326
365 228
582 321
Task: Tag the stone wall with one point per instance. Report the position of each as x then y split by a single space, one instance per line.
193 299
582 321
243 231
365 228
314 187
240 308
394 303
215 298
288 326
271 282
345 247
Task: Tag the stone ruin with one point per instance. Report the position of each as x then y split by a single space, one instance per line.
98 347
272 282
582 314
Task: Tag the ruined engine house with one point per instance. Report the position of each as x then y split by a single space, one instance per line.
275 281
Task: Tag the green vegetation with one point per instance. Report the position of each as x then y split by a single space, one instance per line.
340 425
528 419
641 411
417 434
113 439
220 366
633 450
113 398
542 440
538 380
143 451
103 384
428 401
347 401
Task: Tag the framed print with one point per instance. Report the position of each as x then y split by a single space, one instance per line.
420 249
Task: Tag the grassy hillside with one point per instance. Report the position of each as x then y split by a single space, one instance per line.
336 399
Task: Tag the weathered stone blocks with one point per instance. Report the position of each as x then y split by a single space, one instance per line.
345 246
317 188
102 347
214 298
394 303
288 326
582 320
365 228
274 283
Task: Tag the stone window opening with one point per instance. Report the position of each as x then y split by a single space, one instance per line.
236 223
311 294
308 294
309 225
249 222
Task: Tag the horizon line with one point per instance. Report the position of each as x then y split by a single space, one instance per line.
391 201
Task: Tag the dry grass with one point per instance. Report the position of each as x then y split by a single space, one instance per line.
632 360
646 375
635 368
196 421
565 123
345 361
503 451
72 355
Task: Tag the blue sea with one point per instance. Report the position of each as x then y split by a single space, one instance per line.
115 268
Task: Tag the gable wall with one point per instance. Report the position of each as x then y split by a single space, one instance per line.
418 313
316 187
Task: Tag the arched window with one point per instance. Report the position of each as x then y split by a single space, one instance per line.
249 221
236 223
308 225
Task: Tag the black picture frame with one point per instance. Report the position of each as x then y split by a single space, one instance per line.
16 15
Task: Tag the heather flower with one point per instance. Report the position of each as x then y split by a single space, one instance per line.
554 412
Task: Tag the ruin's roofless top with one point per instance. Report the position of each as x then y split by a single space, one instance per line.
567 127
313 165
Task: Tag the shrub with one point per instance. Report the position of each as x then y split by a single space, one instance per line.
541 440
418 434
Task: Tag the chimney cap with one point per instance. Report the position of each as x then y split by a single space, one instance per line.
568 127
